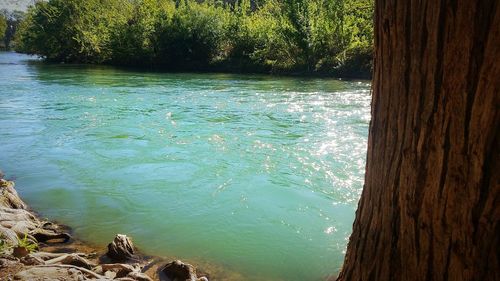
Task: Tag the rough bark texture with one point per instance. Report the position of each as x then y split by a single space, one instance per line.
430 207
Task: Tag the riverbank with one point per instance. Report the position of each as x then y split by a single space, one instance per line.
341 75
298 37
35 249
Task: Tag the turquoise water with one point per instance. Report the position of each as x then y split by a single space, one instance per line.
251 177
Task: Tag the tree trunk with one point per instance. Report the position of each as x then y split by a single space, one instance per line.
430 207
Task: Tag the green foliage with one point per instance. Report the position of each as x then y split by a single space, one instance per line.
189 36
357 57
27 244
3 26
12 21
251 39
4 246
329 36
70 30
131 37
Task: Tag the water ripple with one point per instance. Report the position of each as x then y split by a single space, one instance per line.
245 171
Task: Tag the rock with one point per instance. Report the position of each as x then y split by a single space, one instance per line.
45 235
110 274
32 260
121 248
71 259
20 252
139 276
7 261
50 273
179 271
8 235
121 270
9 197
98 270
16 221
58 272
20 229
50 256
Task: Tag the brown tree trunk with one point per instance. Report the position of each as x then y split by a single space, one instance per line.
430 207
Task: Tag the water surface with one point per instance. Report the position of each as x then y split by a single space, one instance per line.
257 175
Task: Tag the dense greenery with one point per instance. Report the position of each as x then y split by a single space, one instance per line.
3 26
9 22
324 36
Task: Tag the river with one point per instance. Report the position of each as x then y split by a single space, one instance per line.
257 175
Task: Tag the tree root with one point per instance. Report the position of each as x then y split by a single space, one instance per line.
83 270
71 259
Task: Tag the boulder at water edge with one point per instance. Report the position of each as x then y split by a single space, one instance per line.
121 248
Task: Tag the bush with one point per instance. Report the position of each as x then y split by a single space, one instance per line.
191 36
3 26
131 39
70 30
329 36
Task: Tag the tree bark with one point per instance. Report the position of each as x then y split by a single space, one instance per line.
430 206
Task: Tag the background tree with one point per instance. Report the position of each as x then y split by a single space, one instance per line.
430 207
191 38
132 40
358 33
3 26
327 36
12 22
71 30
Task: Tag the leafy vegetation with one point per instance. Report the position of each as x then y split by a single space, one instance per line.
297 36
12 19
4 246
27 244
3 26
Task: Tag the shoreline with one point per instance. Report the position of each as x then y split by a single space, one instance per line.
211 70
32 248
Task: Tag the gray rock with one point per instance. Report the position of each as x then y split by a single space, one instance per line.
50 273
121 248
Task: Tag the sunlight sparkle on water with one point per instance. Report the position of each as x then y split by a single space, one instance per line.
234 172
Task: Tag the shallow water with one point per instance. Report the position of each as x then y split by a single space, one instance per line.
254 174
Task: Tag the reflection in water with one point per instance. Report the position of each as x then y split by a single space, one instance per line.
255 174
